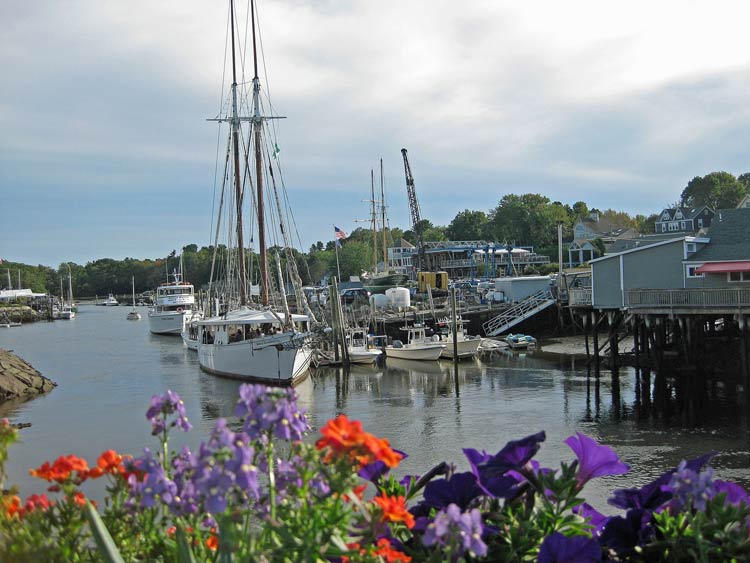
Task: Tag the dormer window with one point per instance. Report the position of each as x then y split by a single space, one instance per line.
690 247
678 215
665 216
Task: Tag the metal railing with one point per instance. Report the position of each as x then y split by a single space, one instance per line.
519 312
579 296
692 298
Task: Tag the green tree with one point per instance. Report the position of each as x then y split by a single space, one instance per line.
467 225
717 190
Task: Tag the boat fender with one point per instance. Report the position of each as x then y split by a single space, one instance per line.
179 309
398 344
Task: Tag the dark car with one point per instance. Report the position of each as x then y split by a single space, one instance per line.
355 294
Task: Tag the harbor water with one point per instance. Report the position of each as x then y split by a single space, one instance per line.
107 369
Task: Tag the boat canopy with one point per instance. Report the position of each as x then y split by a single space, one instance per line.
246 315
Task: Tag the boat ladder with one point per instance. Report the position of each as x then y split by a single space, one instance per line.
519 312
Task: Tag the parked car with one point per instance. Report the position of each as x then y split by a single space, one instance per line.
353 294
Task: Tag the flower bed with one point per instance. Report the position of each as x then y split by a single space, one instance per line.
255 491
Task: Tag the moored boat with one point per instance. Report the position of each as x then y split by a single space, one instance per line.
520 341
466 346
417 347
174 306
360 350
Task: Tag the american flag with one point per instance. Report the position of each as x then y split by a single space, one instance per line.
338 233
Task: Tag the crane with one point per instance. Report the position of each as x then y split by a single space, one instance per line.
416 220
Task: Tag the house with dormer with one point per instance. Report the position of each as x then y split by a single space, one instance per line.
588 229
684 220
744 202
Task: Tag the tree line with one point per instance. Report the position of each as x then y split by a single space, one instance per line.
524 220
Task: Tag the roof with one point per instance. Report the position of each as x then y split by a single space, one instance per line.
687 213
248 316
730 237
724 267
653 245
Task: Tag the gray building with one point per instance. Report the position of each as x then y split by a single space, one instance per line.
725 262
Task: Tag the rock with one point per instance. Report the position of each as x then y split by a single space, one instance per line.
19 379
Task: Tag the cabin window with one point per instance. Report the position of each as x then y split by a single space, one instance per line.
739 276
690 271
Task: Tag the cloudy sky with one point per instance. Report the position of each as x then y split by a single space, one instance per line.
105 151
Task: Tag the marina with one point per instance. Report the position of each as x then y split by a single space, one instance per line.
422 407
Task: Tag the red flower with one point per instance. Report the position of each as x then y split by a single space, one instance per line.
79 498
12 506
110 462
394 510
212 541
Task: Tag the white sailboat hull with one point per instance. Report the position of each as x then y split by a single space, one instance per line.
415 351
272 360
466 348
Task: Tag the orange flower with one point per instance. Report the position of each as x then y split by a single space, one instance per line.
12 506
394 510
358 491
212 541
347 437
62 469
79 498
391 555
109 462
37 502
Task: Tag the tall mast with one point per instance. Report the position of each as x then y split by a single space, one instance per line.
382 218
70 286
257 127
374 223
236 151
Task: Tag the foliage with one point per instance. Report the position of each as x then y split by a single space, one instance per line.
717 190
468 225
256 491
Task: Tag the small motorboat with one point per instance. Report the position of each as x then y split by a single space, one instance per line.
520 341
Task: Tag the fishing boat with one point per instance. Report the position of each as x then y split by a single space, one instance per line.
520 341
359 347
418 345
466 346
379 280
110 301
174 306
134 315
254 340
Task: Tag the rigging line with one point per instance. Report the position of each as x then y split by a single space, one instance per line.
218 218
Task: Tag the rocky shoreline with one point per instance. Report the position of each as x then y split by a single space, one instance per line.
19 380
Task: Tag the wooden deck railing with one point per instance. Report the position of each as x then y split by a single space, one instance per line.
579 296
689 298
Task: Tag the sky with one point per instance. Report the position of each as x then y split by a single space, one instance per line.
105 151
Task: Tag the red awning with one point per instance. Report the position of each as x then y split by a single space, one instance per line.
724 267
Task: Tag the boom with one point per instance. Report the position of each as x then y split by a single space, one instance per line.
416 219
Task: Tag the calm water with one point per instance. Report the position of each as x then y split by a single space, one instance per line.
107 369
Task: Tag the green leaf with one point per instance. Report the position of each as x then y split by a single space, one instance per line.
184 553
104 541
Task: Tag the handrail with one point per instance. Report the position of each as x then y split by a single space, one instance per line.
699 298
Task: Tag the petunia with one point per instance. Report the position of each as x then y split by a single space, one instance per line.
594 459
736 495
557 548
460 489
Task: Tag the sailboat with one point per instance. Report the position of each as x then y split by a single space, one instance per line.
64 309
254 341
134 315
377 281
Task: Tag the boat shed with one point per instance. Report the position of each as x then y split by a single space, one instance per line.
517 289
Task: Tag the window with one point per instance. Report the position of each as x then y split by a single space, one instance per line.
682 225
700 223
663 228
690 271
674 227
738 276
690 247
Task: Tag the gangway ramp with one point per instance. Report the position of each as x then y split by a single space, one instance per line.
519 313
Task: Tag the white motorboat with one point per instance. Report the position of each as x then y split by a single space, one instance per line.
111 301
174 306
467 346
360 350
254 345
134 315
417 347
520 341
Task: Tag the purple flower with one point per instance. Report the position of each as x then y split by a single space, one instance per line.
161 407
594 460
689 488
653 495
623 534
498 475
461 530
592 515
154 486
557 548
736 495
270 410
460 489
